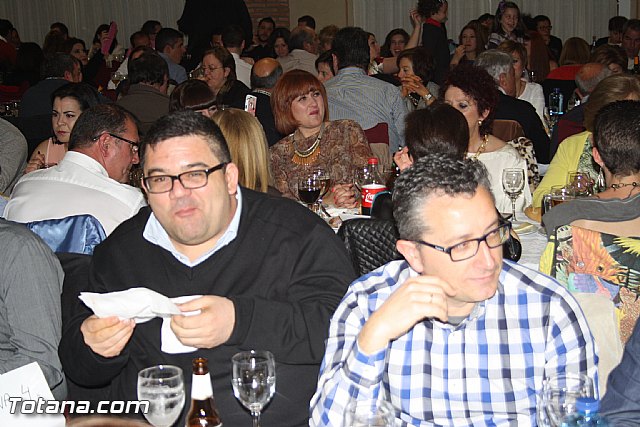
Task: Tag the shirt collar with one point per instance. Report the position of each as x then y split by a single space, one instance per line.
156 234
84 161
352 70
3 39
432 21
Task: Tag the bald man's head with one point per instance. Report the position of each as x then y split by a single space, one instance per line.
265 73
589 75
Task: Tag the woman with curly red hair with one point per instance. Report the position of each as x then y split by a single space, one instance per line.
473 92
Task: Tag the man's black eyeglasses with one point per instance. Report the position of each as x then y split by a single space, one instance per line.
190 180
135 146
469 248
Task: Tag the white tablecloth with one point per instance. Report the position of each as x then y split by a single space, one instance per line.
533 245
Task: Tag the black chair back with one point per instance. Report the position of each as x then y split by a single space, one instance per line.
370 242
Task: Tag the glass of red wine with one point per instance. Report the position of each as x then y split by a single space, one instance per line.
309 189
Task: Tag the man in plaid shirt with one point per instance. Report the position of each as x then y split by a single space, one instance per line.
454 335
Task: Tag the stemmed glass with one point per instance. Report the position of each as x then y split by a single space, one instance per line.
163 387
559 395
254 380
309 189
513 184
325 181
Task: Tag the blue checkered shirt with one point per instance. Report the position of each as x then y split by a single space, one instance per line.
487 371
354 95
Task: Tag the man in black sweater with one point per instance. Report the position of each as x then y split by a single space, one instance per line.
271 274
500 66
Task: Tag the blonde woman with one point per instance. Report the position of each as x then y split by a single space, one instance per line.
248 147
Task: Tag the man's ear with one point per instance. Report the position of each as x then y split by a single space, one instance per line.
597 157
231 177
502 80
335 62
411 253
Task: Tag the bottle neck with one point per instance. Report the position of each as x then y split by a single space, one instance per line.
201 388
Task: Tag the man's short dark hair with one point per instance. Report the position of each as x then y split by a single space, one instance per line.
268 81
149 68
307 20
435 174
541 18
617 137
299 36
167 37
631 24
149 27
232 36
135 35
184 123
617 23
56 64
60 27
351 47
267 19
96 120
5 27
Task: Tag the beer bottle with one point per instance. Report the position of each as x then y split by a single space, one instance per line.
203 411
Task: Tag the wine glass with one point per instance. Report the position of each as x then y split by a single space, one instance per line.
325 181
309 189
581 184
117 77
513 184
254 380
366 413
559 395
163 387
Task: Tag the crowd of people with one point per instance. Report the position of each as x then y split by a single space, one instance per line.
186 149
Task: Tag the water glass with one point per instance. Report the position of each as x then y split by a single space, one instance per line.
163 387
366 413
513 185
559 395
254 380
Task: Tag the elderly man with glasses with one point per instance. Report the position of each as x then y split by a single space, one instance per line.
268 274
91 178
453 335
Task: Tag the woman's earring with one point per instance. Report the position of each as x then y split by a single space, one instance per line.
601 183
479 123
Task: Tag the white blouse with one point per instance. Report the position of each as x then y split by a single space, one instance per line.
534 95
495 162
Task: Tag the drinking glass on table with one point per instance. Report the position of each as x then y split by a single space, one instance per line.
325 181
117 77
557 195
580 183
559 395
163 387
366 413
513 184
254 380
309 189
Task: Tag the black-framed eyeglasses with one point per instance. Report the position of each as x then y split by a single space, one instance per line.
135 146
469 248
190 180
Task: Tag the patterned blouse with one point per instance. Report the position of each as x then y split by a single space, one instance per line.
343 146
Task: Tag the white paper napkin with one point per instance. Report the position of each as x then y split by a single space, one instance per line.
142 305
170 342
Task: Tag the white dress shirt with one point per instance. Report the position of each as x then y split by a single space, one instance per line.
243 69
77 185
